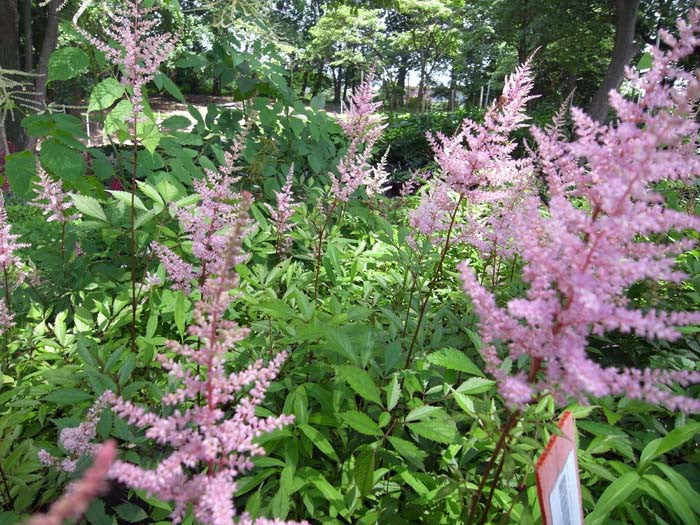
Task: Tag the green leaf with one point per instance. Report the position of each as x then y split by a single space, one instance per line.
116 119
67 63
330 493
163 82
364 471
422 412
130 512
319 441
97 515
125 197
89 206
682 485
148 134
439 430
677 503
360 422
20 169
180 314
408 450
105 93
150 192
318 102
673 439
64 162
67 396
453 359
616 493
393 393
361 382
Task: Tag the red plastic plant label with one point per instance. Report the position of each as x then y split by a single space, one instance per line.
556 472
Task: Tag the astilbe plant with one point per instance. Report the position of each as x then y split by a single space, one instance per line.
205 223
12 273
604 229
282 213
133 46
210 446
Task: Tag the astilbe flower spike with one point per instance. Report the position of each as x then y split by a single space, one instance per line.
210 448
10 266
206 222
52 200
133 45
477 166
282 213
74 503
579 260
363 127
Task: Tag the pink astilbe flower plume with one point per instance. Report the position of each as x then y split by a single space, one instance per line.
282 213
76 500
477 167
52 200
10 266
206 222
580 260
133 46
363 127
210 447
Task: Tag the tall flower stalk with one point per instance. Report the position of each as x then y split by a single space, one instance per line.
134 47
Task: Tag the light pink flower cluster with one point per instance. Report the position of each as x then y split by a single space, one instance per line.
210 447
133 45
478 168
74 503
206 222
282 213
603 230
364 128
51 198
10 265
77 441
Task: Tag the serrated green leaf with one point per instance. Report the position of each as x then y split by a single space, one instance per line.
408 450
361 382
125 198
364 471
89 206
360 422
130 512
453 359
105 93
673 439
67 396
20 170
318 440
66 63
439 430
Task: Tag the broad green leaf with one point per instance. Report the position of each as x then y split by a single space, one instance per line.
67 396
331 494
682 485
162 81
422 412
408 450
360 422
66 63
442 430
65 163
361 382
125 197
453 359
105 93
318 102
130 512
393 393
676 500
180 314
364 471
20 170
116 119
616 493
150 192
318 440
89 206
673 439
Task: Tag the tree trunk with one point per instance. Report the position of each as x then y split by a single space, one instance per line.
400 96
28 42
9 59
304 83
421 82
453 89
345 84
47 47
337 84
319 78
623 51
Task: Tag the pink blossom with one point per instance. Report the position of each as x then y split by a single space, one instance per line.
74 503
133 45
51 198
364 128
581 259
282 213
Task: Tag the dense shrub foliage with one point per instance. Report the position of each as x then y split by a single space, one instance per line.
223 318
